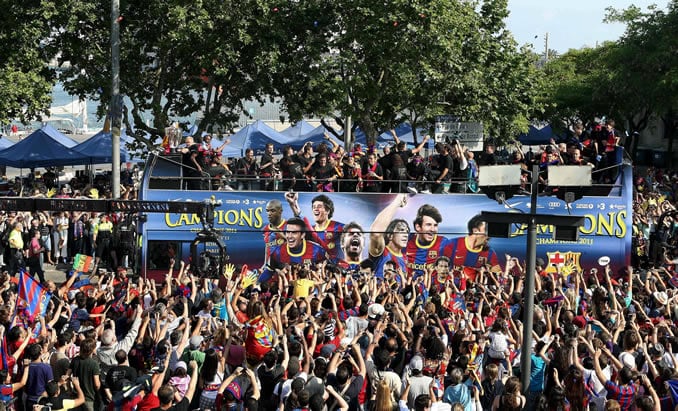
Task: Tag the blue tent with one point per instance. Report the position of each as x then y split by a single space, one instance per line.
99 148
382 140
57 136
299 129
5 142
405 134
40 150
536 136
315 137
403 131
254 136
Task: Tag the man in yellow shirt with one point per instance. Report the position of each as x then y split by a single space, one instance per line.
16 245
302 285
103 238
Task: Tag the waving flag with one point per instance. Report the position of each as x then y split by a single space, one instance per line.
673 390
34 297
3 353
82 263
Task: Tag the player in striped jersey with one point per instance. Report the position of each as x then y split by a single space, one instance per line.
424 246
274 231
469 254
388 238
296 250
324 231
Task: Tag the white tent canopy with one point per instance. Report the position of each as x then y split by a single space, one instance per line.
75 109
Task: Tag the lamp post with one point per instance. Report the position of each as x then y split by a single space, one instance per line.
499 182
116 101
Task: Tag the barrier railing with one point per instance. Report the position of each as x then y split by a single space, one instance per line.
310 185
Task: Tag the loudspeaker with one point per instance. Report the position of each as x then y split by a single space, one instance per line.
498 230
564 233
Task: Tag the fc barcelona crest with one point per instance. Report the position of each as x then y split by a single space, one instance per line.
564 263
329 235
433 254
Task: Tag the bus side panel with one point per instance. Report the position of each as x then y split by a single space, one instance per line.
242 217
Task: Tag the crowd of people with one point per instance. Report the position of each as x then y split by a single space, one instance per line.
322 329
395 168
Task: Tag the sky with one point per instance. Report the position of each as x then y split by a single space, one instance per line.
570 24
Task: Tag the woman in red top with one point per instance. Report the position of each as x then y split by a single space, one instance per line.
260 333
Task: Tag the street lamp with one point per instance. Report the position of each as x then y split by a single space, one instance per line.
502 182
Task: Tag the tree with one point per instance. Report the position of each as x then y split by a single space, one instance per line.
25 79
578 86
507 94
178 59
377 62
650 43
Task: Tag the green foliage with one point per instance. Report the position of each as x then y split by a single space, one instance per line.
382 62
628 79
379 62
177 59
25 80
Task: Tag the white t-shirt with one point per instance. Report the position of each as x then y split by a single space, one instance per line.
354 326
599 392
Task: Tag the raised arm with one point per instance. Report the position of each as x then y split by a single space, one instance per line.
421 145
194 380
596 366
81 395
221 147
381 222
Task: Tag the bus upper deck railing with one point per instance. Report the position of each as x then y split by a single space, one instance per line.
457 186
170 175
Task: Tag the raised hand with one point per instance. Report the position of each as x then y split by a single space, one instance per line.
229 269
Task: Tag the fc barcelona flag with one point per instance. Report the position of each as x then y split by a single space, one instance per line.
34 297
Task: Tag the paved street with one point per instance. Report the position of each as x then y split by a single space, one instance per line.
56 274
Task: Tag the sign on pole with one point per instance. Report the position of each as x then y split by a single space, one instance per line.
469 134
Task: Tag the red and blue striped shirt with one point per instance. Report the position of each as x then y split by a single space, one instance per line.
421 256
624 394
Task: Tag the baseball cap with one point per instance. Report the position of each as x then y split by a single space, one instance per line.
416 363
195 342
236 355
375 311
579 321
180 364
327 350
235 389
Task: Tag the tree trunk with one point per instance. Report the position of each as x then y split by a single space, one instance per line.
670 125
638 126
414 124
367 126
